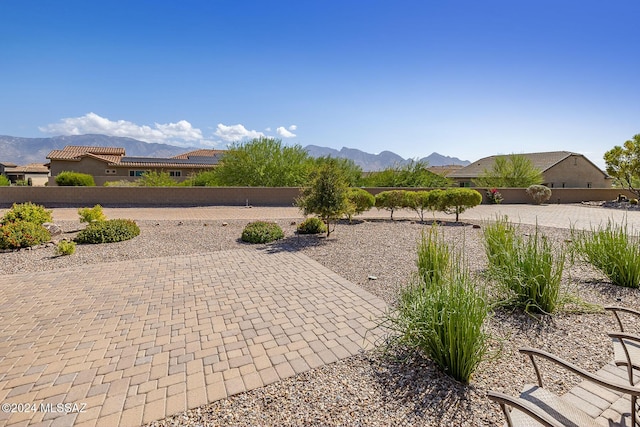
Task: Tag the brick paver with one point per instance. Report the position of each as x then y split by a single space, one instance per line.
131 342
135 341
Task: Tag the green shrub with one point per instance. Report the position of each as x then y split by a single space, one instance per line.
113 230
262 232
444 322
612 251
22 234
91 214
391 200
4 181
527 272
156 179
206 178
312 225
433 257
22 183
359 201
74 179
27 212
539 193
65 247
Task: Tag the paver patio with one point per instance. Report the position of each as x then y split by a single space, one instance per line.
138 340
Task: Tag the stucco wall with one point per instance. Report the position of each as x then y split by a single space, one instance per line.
575 172
233 196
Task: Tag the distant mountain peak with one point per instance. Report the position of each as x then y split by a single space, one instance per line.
382 160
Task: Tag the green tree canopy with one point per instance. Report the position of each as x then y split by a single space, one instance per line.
623 164
263 162
512 171
411 174
351 171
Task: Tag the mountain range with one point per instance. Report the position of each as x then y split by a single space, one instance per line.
22 151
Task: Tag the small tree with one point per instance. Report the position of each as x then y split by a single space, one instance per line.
512 171
4 181
391 200
326 195
419 201
539 193
359 201
457 200
623 164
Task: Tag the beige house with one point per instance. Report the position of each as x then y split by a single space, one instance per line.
36 174
111 163
560 169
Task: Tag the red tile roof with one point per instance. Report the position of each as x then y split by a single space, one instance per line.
71 152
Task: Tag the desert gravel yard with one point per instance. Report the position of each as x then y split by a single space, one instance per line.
373 389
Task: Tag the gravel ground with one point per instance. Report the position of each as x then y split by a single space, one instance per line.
372 389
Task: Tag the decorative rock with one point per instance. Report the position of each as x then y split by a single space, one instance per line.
476 226
54 229
372 277
224 224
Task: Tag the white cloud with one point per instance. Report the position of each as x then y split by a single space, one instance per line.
236 132
285 133
268 129
293 127
180 132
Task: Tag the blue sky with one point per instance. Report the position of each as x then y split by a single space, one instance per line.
463 78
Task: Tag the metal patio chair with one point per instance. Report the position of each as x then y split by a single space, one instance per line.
537 406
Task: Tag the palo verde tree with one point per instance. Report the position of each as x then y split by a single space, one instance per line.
263 162
326 195
512 171
623 164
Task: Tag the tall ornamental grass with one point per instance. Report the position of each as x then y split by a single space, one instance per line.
442 314
527 269
612 250
434 257
445 322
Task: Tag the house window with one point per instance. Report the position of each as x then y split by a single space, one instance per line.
175 173
563 185
110 171
137 173
588 185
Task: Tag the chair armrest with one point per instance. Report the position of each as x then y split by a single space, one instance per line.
523 406
624 335
617 309
621 388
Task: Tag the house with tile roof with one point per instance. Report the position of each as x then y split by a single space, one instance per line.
560 169
112 164
36 174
